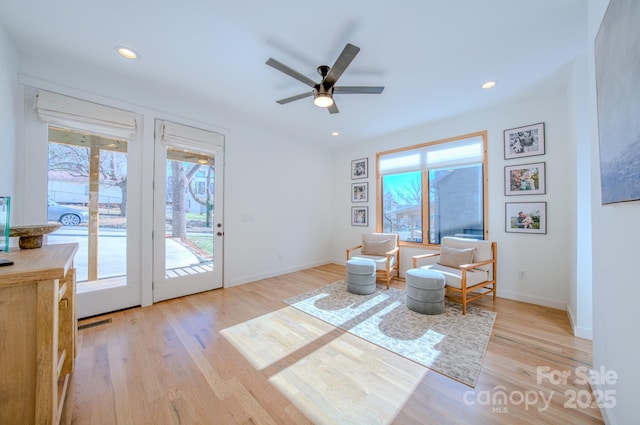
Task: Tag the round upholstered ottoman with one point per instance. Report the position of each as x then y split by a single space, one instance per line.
361 276
425 291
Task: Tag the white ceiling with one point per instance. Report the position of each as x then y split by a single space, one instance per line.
431 55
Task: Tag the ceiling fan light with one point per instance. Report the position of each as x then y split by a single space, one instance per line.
489 85
323 100
126 52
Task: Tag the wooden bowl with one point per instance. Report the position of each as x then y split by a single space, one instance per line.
31 235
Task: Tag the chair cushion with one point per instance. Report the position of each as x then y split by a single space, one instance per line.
453 257
453 276
377 247
390 238
381 261
483 248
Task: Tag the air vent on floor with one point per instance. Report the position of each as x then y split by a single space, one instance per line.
91 325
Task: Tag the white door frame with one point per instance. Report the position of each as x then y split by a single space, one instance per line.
33 160
163 287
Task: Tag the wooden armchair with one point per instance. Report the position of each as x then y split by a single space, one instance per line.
468 265
383 249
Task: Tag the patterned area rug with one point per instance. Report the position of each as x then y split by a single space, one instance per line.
449 343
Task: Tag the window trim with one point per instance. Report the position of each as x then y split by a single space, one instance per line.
425 183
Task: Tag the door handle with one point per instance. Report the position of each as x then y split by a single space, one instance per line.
220 233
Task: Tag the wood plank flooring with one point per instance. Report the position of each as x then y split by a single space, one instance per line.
242 356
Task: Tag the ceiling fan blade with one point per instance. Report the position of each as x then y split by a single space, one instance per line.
348 53
357 89
333 109
290 72
296 97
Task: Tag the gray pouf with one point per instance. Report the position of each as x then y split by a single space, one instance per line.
425 291
361 276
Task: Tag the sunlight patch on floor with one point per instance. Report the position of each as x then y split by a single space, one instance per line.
269 338
342 379
342 382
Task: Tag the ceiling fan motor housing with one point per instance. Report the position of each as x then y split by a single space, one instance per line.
320 89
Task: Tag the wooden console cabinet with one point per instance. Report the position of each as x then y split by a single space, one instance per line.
38 333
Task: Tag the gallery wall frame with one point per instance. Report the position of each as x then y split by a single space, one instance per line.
524 141
359 216
525 179
360 192
526 217
360 168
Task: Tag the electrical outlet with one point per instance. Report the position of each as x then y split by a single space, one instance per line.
522 274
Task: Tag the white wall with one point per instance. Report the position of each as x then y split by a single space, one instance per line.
545 258
8 109
580 300
276 208
616 286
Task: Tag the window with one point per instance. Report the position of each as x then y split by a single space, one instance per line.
434 189
200 186
85 166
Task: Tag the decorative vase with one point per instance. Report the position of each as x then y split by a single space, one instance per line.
5 215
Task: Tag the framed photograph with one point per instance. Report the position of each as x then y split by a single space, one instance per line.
360 168
525 179
617 81
526 217
359 216
359 192
524 141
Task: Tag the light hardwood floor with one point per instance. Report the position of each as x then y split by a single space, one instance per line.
242 356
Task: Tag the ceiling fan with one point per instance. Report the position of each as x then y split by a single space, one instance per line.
323 91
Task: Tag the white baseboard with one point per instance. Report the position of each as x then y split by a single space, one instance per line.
578 331
585 333
560 305
273 273
572 321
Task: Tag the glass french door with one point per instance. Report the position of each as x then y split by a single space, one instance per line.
87 183
188 232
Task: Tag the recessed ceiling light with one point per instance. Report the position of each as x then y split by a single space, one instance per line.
126 52
489 85
335 133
